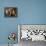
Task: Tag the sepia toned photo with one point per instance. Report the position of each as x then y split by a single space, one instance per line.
10 12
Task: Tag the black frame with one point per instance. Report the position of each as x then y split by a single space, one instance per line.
13 8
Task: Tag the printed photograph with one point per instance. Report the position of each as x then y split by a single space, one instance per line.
10 12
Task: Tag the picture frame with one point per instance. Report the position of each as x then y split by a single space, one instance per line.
10 11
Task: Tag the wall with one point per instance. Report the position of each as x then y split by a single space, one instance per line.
29 12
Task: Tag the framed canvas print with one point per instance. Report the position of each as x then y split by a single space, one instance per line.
10 12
